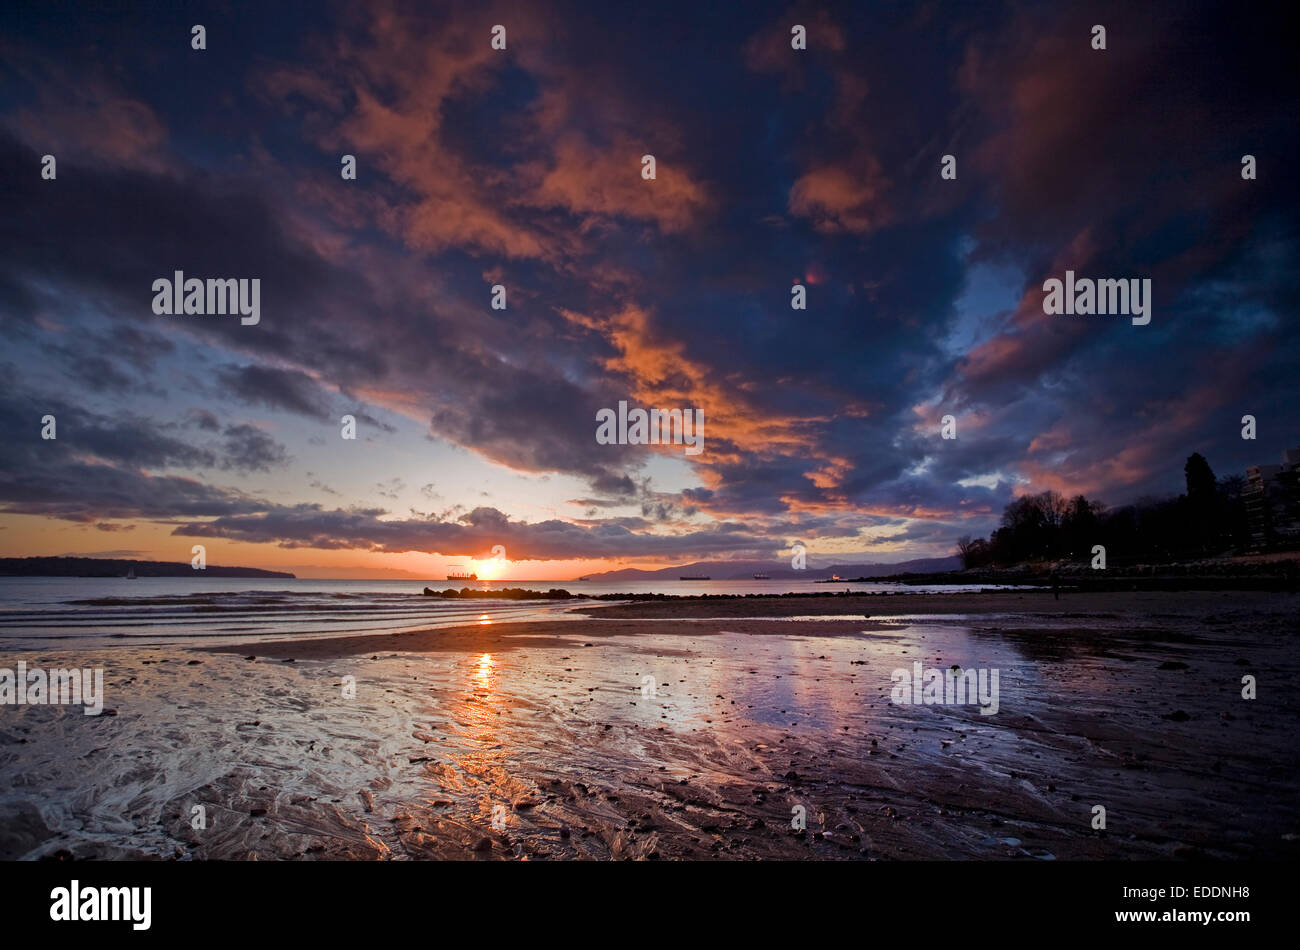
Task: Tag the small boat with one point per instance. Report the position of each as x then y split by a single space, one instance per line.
130 574
462 577
695 577
761 577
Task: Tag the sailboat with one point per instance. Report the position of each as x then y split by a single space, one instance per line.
130 574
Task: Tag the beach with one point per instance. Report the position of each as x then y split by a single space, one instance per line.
718 728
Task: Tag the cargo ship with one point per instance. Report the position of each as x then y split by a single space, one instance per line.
695 577
462 577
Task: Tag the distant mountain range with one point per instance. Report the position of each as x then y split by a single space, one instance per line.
111 567
781 570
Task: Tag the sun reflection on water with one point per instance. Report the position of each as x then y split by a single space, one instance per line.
483 672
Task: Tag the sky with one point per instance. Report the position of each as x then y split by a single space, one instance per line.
523 167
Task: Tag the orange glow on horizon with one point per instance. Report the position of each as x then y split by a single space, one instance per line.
490 569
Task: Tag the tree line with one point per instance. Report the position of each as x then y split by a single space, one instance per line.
1210 518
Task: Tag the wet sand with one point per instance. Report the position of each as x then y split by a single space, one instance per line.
1129 701
1134 603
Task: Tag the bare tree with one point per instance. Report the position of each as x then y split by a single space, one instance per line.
964 545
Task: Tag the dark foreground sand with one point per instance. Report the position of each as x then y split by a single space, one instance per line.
762 709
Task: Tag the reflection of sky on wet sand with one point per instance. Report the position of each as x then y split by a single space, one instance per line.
541 708
740 728
731 709
718 681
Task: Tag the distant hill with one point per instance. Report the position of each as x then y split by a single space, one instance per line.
111 567
781 570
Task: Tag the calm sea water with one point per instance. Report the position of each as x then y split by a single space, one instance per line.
87 611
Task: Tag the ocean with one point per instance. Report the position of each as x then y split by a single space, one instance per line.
79 611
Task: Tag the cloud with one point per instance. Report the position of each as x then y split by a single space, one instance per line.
96 467
472 535
290 390
78 112
249 449
523 168
841 200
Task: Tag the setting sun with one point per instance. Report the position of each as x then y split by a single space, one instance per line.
490 569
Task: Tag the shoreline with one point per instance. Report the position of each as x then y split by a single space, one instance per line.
709 615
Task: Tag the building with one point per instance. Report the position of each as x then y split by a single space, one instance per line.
1272 500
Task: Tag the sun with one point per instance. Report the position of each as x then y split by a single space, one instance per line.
490 569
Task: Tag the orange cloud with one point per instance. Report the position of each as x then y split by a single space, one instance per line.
399 77
838 199
588 181
661 372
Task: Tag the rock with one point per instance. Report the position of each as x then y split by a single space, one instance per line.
482 844
1176 716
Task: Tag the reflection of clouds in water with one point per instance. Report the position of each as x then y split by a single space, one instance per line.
563 727
782 681
833 682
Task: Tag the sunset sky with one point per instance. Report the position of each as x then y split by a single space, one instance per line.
522 167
